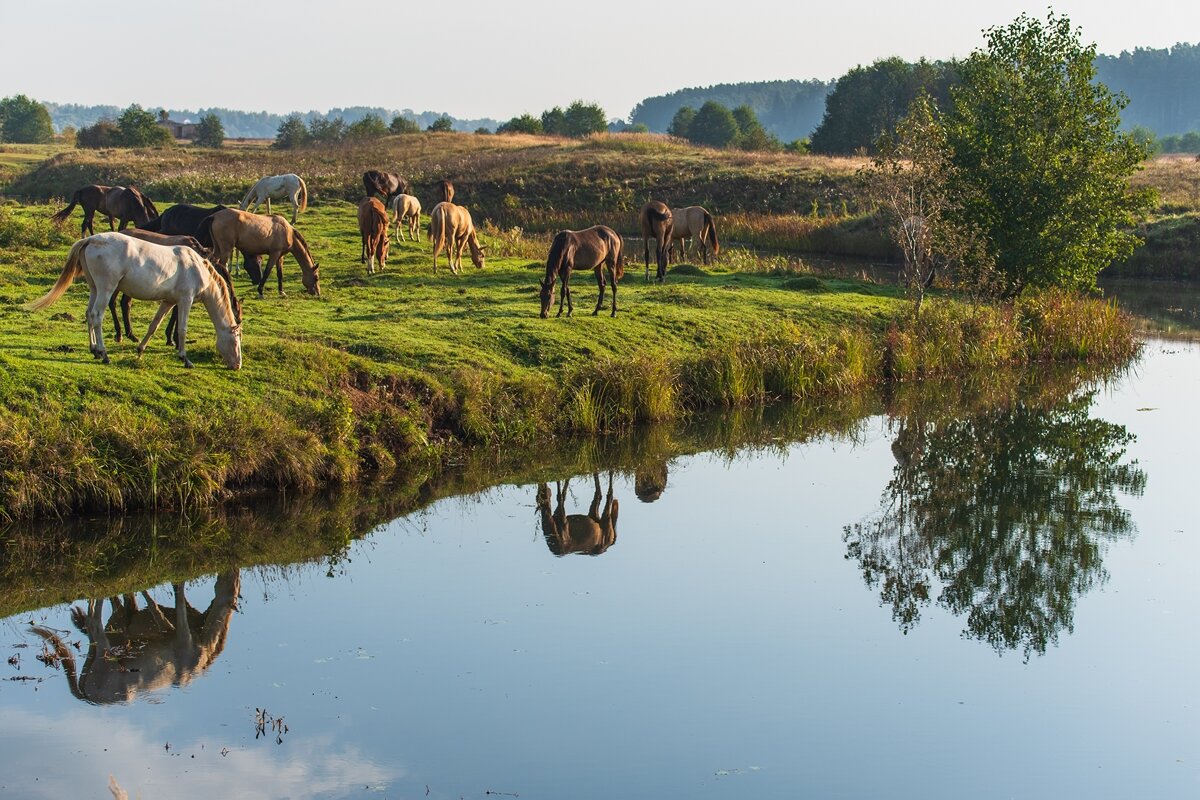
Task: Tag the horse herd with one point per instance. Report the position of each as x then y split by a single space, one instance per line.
183 255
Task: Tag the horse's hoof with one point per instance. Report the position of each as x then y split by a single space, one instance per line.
104 360
188 364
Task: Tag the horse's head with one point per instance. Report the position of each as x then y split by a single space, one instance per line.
477 255
312 280
229 343
547 296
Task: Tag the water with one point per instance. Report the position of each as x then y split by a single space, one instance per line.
965 591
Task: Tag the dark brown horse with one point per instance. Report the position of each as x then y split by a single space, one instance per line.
385 184
125 204
589 534
656 223
594 248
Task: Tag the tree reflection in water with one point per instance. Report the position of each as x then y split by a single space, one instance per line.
1005 513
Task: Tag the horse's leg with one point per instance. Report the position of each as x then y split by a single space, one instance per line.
95 316
567 292
112 307
171 323
184 307
612 277
295 206
87 225
646 253
126 303
268 205
279 274
600 283
154 323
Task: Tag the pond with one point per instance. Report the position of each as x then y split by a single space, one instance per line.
952 591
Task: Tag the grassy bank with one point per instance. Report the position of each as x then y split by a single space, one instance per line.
408 368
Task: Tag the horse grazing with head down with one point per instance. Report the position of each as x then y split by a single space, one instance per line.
124 204
174 276
447 191
656 223
280 187
450 226
255 234
588 534
373 228
407 210
594 248
694 222
385 184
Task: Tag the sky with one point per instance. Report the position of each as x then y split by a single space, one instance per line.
483 58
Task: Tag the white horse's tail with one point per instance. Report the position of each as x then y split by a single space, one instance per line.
303 194
71 270
249 196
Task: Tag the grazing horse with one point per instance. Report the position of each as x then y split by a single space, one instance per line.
185 220
450 226
125 204
407 208
690 222
590 534
656 223
387 184
594 248
141 650
447 190
259 235
174 276
373 228
289 186
126 301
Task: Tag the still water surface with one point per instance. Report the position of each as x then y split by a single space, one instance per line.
944 600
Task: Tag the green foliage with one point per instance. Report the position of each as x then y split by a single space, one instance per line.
369 127
324 130
799 147
526 123
786 109
442 124
681 123
1040 169
868 102
137 127
24 121
401 124
1146 138
583 119
713 125
209 132
103 134
292 133
483 131
554 122
751 134
1180 143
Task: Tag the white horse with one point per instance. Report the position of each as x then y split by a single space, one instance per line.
407 207
279 187
175 276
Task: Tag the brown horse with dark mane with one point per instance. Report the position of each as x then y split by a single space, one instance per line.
256 234
656 223
373 228
385 184
594 248
587 534
125 204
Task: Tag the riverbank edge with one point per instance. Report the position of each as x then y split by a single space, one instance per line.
378 419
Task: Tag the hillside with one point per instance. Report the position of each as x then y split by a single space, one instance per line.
788 109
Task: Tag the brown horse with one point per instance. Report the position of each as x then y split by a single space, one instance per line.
447 190
255 234
125 204
656 223
140 650
450 226
589 534
386 184
594 248
694 222
373 228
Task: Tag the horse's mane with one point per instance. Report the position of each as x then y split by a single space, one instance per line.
222 280
558 254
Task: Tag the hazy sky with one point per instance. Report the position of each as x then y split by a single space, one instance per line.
475 58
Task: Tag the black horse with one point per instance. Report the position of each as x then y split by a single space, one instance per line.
385 184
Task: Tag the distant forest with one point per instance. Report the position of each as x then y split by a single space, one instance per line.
788 109
254 124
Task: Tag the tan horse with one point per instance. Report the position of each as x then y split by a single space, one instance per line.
447 190
373 228
694 222
450 226
255 234
407 209
589 534
140 650
593 248
656 223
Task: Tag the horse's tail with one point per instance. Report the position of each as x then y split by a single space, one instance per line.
61 216
303 194
658 216
204 232
710 233
618 248
71 270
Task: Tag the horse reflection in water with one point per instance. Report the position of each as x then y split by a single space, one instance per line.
145 649
591 533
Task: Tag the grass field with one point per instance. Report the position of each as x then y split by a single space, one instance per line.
408 367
